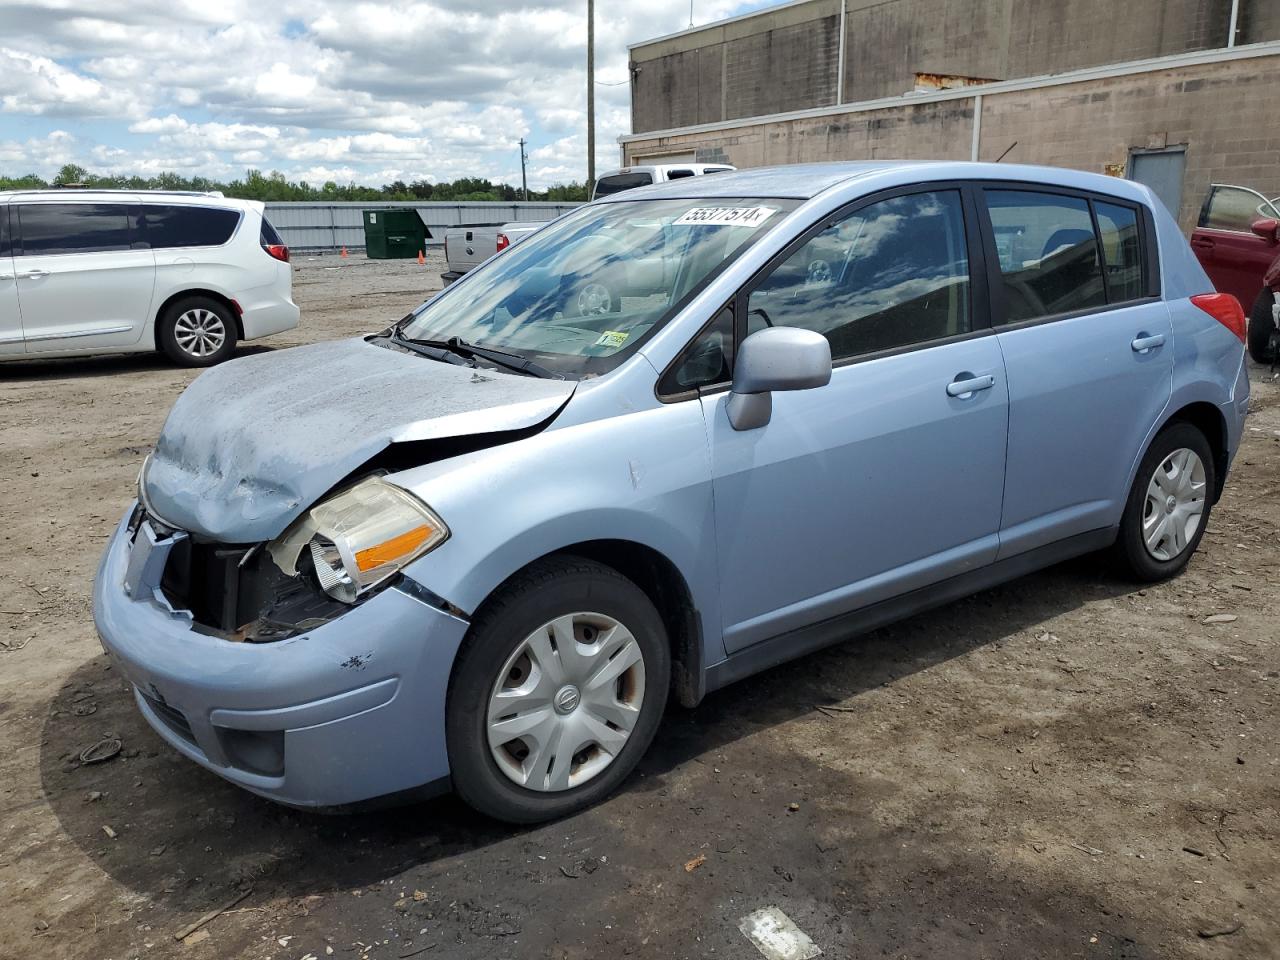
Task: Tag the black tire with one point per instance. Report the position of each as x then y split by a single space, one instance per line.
547 589
1262 326
1130 551
167 335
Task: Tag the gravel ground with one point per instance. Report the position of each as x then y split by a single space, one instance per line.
1066 766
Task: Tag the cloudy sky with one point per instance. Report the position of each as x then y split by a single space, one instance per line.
320 89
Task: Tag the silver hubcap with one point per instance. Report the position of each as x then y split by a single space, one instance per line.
566 701
594 299
1175 504
200 332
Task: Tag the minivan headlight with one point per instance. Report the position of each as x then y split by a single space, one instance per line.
358 538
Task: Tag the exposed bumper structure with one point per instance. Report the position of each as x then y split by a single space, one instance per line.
351 710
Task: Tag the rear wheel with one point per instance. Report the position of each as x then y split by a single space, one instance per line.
557 692
1262 327
197 332
1168 506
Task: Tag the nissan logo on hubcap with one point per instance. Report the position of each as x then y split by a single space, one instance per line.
566 699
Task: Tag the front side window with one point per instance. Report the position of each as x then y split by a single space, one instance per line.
166 226
1235 209
1121 251
51 228
581 293
1047 251
891 274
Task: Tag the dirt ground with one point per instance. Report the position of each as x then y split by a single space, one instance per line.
1067 766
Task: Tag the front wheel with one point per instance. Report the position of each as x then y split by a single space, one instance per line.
1263 335
1168 506
557 692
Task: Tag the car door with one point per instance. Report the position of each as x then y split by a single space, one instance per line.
83 278
10 317
1234 257
1088 346
888 478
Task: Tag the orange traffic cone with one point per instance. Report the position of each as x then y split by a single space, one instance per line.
344 252
421 259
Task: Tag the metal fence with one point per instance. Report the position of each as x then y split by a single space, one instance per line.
328 226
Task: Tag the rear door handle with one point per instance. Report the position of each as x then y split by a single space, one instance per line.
1142 342
969 386
1202 242
35 274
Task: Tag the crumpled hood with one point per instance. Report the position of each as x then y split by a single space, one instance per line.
255 441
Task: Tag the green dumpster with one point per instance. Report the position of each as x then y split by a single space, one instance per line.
394 233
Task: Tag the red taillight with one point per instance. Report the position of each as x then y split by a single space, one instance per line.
1224 308
503 242
277 250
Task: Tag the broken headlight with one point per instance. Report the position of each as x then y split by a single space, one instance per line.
358 538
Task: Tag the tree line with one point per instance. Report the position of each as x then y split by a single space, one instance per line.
274 187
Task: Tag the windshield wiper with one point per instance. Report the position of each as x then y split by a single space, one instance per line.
501 358
443 354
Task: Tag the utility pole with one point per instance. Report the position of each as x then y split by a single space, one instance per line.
591 94
524 181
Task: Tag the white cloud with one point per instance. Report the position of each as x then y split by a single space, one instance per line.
369 91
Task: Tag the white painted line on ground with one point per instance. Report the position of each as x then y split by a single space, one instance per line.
776 936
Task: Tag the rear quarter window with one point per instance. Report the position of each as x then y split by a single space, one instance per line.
268 236
167 226
54 228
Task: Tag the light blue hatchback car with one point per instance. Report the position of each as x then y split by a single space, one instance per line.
677 436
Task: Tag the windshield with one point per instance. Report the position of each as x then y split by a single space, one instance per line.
583 292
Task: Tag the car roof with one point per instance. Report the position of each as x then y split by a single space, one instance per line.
803 181
137 196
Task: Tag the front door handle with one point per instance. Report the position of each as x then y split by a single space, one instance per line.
1142 342
963 388
1202 242
35 274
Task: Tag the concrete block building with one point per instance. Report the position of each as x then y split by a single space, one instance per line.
1179 94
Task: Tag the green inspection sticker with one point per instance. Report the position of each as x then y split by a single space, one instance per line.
611 338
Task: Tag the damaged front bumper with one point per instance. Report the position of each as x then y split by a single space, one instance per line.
347 711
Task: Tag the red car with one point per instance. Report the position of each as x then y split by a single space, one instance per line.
1237 241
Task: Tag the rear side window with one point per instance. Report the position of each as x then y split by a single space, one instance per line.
679 174
1232 208
168 226
50 228
4 230
891 274
1121 251
621 181
1048 253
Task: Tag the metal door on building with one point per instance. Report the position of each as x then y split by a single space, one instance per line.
1161 170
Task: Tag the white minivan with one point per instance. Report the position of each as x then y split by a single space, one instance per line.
104 271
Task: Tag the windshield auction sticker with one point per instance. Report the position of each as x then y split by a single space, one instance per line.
726 216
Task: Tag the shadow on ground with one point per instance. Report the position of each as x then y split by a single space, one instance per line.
185 838
33 370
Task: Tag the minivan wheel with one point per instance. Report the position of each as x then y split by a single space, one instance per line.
1262 326
1169 504
557 691
197 332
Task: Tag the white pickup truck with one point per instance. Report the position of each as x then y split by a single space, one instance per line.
467 247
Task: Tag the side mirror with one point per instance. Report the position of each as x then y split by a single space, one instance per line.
1266 229
779 358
